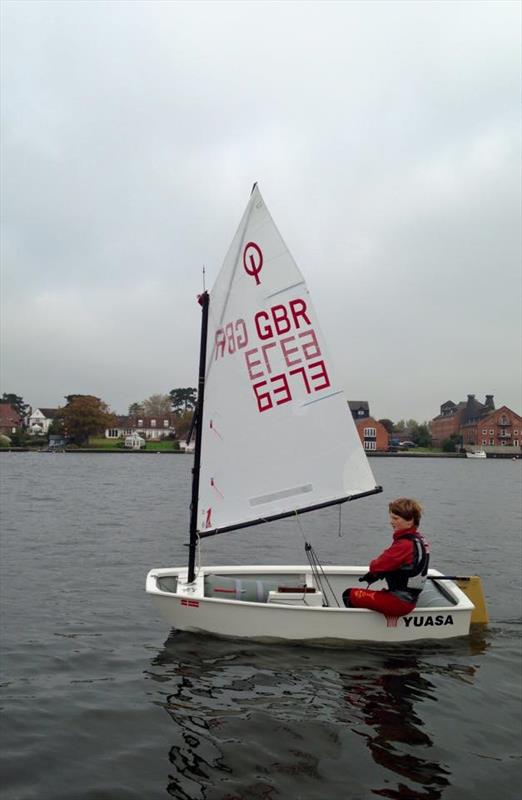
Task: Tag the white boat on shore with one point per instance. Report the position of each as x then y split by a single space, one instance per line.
266 382
476 454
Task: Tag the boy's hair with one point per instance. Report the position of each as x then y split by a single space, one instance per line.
406 508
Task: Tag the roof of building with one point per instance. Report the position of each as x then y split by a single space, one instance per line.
355 404
49 413
470 409
131 420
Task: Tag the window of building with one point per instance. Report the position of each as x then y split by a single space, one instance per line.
484 431
370 445
370 433
491 432
165 423
492 441
515 433
112 433
153 423
140 423
516 442
484 441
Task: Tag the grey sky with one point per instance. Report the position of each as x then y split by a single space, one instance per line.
385 138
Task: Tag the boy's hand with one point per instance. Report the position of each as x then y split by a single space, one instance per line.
369 578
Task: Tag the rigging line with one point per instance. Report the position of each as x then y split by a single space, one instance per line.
316 566
323 576
308 548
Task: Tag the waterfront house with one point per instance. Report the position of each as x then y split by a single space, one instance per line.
155 427
499 428
453 416
372 433
40 420
478 425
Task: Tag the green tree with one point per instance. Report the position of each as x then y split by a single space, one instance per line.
388 424
183 399
84 416
421 435
135 409
452 444
17 402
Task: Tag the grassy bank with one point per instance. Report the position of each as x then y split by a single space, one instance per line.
163 445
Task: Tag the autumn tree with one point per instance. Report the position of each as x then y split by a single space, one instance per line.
135 409
183 423
84 416
157 405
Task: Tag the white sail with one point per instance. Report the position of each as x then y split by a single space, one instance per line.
277 433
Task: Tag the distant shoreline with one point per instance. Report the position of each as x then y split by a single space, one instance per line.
90 451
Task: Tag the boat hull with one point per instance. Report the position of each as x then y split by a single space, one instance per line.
185 607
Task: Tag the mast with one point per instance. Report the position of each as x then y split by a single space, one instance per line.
203 301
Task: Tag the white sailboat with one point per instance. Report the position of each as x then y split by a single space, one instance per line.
481 453
265 382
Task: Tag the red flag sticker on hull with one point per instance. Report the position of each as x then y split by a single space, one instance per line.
190 603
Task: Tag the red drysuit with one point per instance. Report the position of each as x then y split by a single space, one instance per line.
404 565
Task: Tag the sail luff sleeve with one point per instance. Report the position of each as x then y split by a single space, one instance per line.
204 300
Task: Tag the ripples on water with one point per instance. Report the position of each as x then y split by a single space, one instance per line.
98 704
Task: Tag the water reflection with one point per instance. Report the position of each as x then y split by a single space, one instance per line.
254 721
388 709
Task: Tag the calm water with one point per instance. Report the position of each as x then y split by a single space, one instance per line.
99 702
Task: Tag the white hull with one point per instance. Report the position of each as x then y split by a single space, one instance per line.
476 454
443 610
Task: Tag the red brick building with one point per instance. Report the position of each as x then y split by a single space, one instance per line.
372 433
478 424
10 419
500 428
454 416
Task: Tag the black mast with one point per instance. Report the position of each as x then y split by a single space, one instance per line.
203 300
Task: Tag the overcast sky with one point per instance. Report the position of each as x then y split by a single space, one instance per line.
385 137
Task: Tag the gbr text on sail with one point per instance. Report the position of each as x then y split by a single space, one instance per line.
280 352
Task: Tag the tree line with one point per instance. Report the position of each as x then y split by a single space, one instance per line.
418 433
85 415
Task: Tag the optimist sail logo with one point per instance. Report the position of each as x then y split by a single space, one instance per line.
253 261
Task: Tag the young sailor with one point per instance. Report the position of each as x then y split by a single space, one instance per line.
404 565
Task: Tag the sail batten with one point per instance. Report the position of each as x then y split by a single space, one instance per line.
267 440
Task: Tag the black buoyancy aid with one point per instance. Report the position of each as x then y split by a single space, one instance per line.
411 578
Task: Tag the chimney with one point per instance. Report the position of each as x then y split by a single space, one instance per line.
489 402
471 397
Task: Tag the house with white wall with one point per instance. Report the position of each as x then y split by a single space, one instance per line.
40 420
152 428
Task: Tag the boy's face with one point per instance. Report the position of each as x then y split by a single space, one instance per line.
400 524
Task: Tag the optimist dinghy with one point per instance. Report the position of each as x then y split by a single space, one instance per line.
265 382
